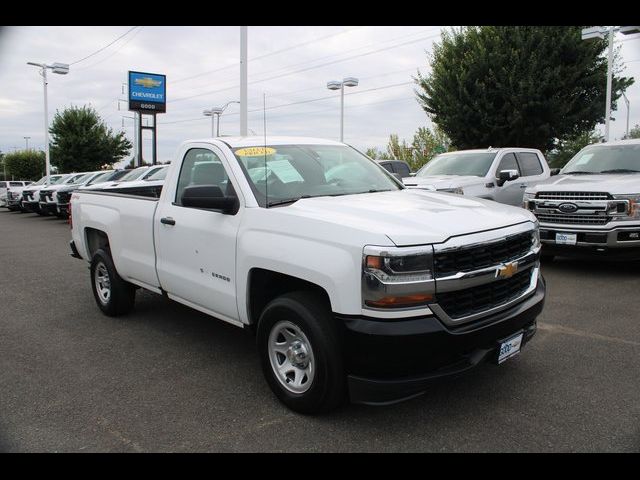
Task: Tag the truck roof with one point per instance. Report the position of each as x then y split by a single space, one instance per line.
256 141
493 149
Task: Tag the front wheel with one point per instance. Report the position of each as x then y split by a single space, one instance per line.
113 295
300 353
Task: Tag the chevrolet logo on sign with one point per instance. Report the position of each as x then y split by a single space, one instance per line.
507 270
148 82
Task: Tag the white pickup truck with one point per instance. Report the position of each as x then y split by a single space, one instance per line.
593 206
498 174
355 286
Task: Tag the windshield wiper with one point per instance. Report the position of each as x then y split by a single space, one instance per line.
578 172
286 201
620 170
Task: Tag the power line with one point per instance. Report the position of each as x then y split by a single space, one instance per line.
114 52
276 52
301 102
309 68
106 46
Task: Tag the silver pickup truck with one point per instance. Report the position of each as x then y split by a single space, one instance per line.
593 205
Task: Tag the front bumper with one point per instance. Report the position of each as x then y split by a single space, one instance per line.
617 241
49 207
391 360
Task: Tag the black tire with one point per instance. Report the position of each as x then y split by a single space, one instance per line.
311 314
121 297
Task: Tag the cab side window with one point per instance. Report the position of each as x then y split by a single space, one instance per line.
529 164
203 167
508 162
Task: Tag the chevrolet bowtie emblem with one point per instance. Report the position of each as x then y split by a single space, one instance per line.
148 82
507 270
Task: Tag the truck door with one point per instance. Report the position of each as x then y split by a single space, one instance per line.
196 248
511 192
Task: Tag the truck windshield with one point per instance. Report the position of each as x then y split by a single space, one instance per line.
134 174
158 175
605 159
280 174
476 164
56 179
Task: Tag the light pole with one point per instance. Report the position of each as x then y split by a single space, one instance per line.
61 69
599 32
216 112
26 139
335 85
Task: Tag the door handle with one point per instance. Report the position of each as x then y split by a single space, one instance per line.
523 185
167 221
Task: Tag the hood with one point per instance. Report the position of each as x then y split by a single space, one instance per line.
616 184
411 216
438 182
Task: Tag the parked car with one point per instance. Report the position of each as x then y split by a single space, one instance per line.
398 167
150 186
499 174
31 194
353 284
109 176
62 193
48 203
10 192
593 205
140 173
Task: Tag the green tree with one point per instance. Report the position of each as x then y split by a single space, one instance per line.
524 86
635 132
82 142
427 144
567 148
25 164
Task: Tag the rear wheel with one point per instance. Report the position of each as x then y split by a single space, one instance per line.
113 295
300 352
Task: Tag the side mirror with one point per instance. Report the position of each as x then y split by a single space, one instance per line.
209 197
507 175
555 171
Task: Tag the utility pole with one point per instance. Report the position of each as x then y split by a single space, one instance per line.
27 141
243 82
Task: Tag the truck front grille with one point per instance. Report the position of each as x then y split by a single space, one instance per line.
26 194
481 256
568 196
63 197
573 219
462 303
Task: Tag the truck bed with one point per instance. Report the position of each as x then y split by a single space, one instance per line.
127 219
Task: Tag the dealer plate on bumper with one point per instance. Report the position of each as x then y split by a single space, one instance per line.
510 347
566 238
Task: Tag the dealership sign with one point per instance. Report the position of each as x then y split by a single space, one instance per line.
147 92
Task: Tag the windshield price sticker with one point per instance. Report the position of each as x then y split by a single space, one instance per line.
286 172
255 151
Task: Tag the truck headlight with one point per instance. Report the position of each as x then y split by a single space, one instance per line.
397 277
631 209
457 190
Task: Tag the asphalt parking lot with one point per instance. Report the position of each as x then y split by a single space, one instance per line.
167 378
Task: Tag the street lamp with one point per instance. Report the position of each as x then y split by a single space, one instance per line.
599 32
335 85
61 69
26 139
216 112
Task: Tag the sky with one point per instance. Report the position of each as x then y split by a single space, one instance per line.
288 69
